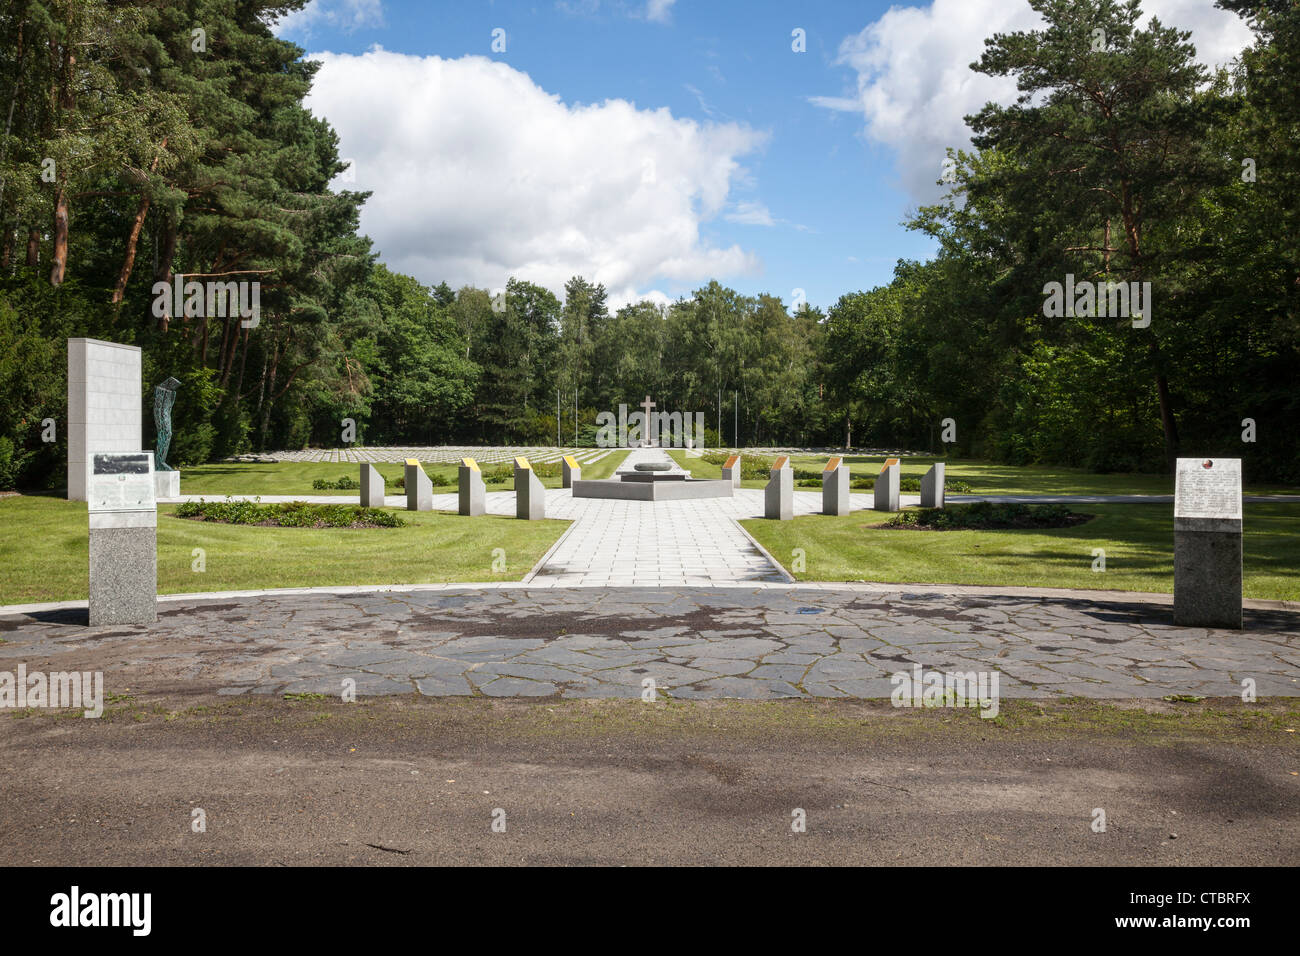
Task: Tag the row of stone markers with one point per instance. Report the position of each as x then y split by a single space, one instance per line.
530 493
778 495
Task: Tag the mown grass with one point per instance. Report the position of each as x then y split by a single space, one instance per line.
1270 722
1138 540
987 478
44 551
296 477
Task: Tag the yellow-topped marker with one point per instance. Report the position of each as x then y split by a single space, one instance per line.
888 462
413 461
731 462
782 461
469 463
832 464
570 461
522 462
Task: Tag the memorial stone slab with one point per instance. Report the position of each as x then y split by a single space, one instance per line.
572 471
887 483
123 526
1207 543
731 470
778 495
473 494
372 487
530 493
932 486
419 489
835 488
104 406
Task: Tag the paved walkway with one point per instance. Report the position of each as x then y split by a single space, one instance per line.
766 642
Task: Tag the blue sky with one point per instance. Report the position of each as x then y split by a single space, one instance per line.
765 168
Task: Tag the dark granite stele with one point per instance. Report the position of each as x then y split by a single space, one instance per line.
650 487
1208 572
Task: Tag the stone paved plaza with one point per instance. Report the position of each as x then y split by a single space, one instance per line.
755 643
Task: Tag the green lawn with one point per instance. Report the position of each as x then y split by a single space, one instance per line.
990 479
43 551
1138 540
296 477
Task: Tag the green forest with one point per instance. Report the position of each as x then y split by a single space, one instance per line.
138 147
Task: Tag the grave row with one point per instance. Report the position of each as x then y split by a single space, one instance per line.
443 455
778 494
530 493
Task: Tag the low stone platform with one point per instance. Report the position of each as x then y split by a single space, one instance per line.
680 489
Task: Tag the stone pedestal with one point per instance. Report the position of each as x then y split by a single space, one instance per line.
731 470
572 471
123 528
167 484
1207 543
473 494
124 574
530 493
887 486
1207 573
778 495
835 488
932 486
372 487
419 489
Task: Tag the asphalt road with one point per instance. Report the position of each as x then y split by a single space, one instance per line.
397 781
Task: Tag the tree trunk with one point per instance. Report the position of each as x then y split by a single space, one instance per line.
163 269
33 248
1167 421
270 397
133 238
128 261
60 256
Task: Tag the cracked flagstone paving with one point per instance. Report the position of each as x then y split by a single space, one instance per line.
693 642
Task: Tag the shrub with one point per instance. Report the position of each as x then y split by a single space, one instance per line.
950 485
987 515
8 465
345 483
291 514
754 466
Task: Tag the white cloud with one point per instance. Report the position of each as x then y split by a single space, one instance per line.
345 15
478 174
660 11
750 213
914 82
